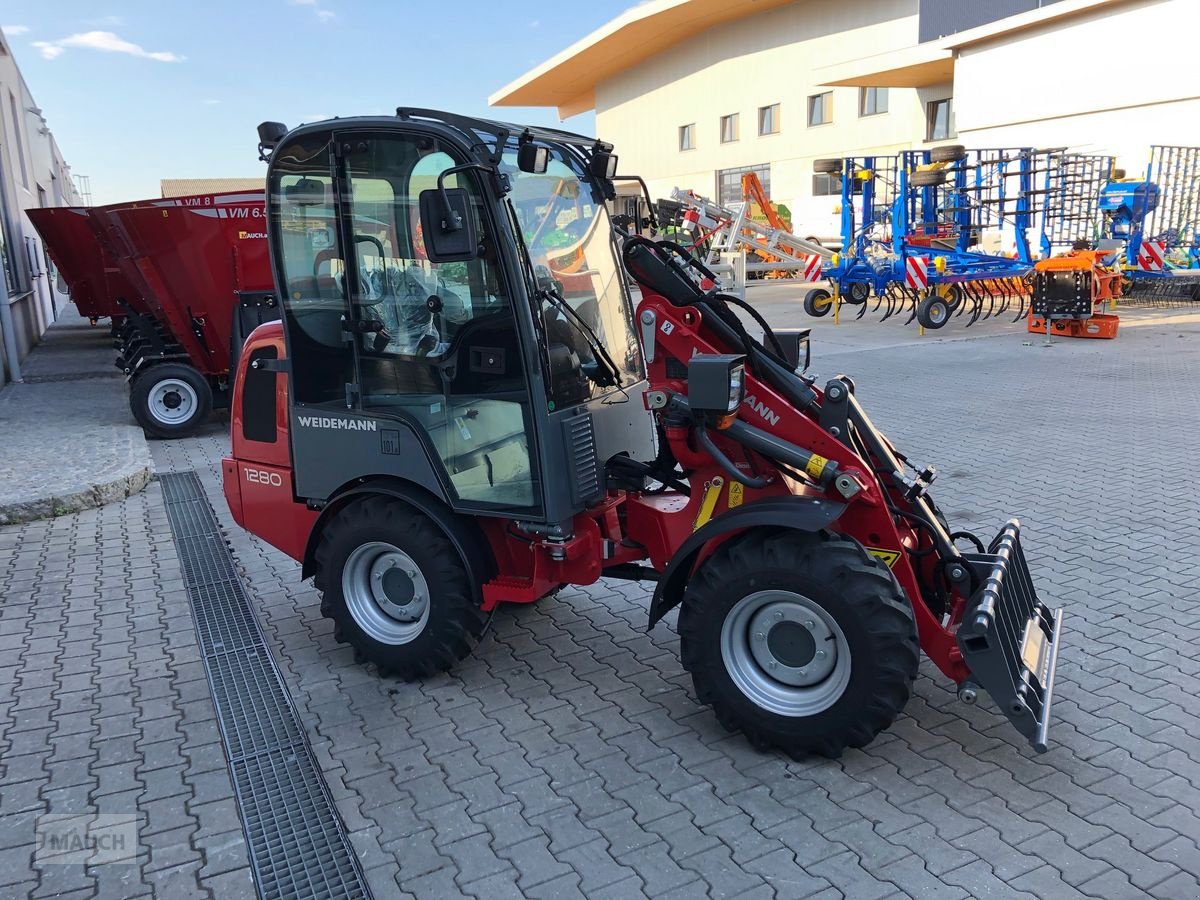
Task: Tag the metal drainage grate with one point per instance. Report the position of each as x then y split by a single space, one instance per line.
298 846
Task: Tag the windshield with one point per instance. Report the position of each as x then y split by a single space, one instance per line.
566 229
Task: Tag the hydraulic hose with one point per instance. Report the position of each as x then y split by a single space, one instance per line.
724 461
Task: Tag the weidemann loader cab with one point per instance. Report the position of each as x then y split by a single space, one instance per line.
462 407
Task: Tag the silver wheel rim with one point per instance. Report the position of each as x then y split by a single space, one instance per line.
785 653
172 401
937 313
386 593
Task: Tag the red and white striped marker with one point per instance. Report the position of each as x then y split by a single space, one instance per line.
812 268
691 218
1152 256
916 272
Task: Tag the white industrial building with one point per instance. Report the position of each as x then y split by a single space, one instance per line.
693 92
32 174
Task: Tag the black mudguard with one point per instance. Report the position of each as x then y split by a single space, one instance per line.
800 513
466 537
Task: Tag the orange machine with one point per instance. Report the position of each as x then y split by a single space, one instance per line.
1069 293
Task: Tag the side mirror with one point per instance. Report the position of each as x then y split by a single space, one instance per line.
533 159
448 225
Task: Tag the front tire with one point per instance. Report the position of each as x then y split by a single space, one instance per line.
397 590
170 400
758 614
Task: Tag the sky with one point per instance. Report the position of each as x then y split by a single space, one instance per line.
139 90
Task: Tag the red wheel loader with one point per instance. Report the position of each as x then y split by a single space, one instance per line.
438 425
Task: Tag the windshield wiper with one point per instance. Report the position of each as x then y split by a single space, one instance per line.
599 353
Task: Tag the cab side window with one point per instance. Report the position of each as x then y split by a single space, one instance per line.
314 284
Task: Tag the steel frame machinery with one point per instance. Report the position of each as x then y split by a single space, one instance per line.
923 217
1155 222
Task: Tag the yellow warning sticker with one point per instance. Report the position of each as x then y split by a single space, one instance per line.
815 465
736 494
888 556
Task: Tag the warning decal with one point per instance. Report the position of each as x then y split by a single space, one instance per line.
888 556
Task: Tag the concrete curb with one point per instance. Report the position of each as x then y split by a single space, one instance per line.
76 499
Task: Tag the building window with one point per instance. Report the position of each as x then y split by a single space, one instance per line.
937 120
687 137
729 128
16 138
820 109
827 185
872 101
729 183
768 119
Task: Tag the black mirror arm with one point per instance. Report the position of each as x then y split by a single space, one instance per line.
452 221
645 193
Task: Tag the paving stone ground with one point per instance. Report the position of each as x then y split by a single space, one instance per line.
569 757
70 442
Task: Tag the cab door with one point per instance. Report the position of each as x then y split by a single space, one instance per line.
436 344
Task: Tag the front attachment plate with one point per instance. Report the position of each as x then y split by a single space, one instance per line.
1010 639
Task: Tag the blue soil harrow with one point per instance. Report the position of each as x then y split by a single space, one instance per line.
1154 222
945 232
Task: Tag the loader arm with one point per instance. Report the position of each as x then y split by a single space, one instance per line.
977 614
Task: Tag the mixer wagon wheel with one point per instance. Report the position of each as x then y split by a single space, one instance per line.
170 400
801 641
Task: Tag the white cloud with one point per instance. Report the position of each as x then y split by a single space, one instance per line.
211 102
324 15
104 41
14 30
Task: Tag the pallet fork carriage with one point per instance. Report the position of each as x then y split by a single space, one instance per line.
473 410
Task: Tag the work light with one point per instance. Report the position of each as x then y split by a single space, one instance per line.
716 383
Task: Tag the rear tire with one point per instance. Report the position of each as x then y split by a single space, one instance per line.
397 590
954 297
804 594
170 400
818 302
858 293
933 312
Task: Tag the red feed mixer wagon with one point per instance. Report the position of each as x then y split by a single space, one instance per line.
192 280
84 262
